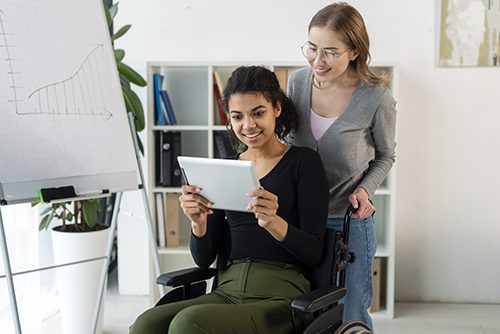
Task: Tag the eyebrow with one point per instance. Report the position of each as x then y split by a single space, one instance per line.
327 48
254 109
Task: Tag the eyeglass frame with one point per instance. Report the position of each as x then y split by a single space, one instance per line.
324 53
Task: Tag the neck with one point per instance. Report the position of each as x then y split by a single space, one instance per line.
347 80
272 149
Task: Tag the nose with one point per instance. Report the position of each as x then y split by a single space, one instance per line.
319 59
249 123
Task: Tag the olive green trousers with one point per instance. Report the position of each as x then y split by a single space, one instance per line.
251 297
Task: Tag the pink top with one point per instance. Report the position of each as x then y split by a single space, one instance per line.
320 124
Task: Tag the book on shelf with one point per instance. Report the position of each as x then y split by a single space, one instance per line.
160 118
219 82
222 146
160 220
168 107
282 76
222 119
172 222
376 281
168 147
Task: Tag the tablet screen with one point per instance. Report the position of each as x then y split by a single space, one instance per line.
223 182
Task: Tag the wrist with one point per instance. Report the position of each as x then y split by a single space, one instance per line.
199 230
363 192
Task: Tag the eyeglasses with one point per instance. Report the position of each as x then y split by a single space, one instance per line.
311 52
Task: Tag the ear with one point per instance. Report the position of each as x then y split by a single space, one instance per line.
277 111
353 55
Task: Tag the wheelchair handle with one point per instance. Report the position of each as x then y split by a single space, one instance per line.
347 223
345 240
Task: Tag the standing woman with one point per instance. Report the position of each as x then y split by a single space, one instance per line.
349 117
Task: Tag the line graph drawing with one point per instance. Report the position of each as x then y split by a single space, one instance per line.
78 94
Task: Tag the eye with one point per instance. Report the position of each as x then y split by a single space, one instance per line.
236 116
258 113
331 54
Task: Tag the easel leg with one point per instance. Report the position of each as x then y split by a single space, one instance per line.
105 266
152 239
147 208
10 281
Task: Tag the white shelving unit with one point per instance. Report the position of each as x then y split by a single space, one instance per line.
190 87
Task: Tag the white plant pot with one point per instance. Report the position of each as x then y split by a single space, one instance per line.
79 283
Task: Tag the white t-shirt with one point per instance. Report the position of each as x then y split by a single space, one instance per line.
320 124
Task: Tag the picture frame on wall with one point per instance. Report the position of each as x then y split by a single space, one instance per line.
469 33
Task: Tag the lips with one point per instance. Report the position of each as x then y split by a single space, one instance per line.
252 135
321 71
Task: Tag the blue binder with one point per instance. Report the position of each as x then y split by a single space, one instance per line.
168 107
157 82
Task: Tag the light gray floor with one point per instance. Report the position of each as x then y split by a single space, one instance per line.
410 318
437 318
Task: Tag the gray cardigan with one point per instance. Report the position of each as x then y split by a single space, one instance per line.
358 149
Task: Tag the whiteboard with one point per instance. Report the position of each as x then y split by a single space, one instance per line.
63 120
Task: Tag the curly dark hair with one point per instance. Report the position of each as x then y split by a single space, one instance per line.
258 79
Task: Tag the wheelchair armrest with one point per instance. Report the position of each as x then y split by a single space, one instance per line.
186 276
318 299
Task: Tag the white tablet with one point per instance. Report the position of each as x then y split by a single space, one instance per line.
223 182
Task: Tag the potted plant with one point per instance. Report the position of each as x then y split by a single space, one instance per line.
78 284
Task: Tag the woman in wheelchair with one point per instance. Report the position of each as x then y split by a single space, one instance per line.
273 245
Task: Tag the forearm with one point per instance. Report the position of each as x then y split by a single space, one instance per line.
377 172
304 246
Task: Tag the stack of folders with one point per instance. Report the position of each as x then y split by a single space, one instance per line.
167 218
222 145
164 112
168 148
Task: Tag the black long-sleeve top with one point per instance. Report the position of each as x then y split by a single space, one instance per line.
300 182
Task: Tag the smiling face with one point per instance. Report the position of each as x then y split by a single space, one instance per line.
329 56
253 119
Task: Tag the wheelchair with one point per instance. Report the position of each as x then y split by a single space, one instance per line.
327 285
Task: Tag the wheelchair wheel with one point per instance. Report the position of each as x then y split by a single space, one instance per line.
353 327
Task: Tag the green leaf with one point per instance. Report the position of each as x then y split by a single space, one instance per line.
90 211
139 143
124 81
45 222
241 148
131 75
135 105
119 54
113 10
46 210
123 30
109 18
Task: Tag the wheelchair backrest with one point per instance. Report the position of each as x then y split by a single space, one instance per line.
326 273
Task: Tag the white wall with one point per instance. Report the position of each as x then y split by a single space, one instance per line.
448 163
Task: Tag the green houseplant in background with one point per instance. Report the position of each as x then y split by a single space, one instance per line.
82 215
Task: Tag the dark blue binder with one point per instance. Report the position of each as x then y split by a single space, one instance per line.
168 107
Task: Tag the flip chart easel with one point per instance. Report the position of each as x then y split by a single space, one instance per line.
64 130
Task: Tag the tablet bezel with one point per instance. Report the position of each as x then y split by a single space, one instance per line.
224 182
